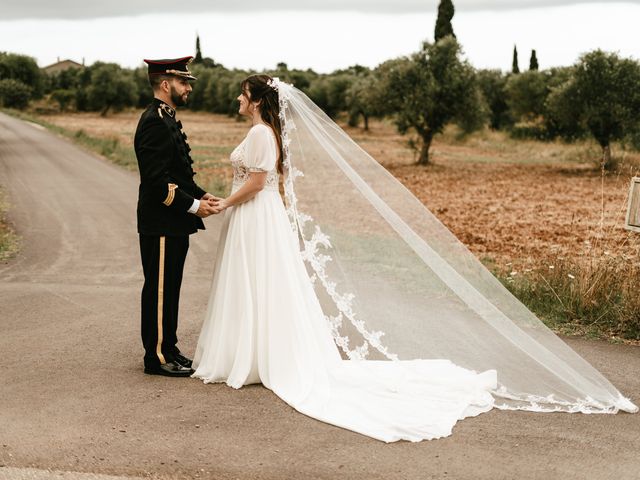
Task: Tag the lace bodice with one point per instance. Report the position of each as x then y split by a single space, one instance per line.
262 143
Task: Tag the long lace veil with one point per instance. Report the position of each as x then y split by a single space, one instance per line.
395 284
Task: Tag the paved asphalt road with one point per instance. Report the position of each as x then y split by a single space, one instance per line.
73 397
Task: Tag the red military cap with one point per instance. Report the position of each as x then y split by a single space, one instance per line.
175 66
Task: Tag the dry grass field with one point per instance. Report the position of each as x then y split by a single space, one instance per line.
509 201
536 213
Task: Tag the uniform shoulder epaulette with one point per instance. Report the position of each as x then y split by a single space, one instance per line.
166 109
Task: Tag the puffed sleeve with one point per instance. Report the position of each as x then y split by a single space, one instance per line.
260 149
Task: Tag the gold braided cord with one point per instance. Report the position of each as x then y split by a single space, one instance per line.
171 195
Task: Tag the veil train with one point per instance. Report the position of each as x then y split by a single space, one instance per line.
395 284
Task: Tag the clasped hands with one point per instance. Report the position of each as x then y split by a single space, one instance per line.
211 205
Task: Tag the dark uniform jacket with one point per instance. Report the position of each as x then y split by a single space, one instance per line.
167 189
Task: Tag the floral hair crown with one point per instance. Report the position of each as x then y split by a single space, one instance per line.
273 83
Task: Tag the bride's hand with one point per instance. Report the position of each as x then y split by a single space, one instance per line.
221 204
208 196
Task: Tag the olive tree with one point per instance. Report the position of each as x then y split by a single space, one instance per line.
602 96
526 94
111 87
23 69
432 88
493 86
364 99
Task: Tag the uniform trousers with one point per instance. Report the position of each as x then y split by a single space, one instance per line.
163 260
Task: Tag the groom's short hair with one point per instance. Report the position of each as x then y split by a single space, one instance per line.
156 80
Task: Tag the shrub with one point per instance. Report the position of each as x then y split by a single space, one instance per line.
63 98
14 94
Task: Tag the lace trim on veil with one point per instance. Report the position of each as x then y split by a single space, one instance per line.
548 404
316 259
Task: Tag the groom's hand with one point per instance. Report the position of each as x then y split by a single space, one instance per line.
206 208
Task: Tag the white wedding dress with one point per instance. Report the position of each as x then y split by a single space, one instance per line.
264 324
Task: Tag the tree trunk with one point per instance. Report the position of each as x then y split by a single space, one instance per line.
105 110
426 145
366 122
606 157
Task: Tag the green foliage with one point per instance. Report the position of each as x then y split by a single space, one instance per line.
514 64
358 81
602 97
111 87
493 83
145 94
63 98
221 90
23 69
197 100
74 80
533 61
535 105
64 80
632 139
329 92
302 79
21 80
14 94
562 113
209 63
431 89
443 22
363 99
526 94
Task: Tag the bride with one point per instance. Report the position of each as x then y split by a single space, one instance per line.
353 257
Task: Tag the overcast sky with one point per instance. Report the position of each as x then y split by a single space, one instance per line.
20 9
319 34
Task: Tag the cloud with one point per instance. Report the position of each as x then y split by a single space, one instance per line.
83 9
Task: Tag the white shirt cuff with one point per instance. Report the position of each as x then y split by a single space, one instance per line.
195 206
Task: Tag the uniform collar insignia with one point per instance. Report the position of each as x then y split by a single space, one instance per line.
167 109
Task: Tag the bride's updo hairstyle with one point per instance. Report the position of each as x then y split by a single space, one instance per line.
260 90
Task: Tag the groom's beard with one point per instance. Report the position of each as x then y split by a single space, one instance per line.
178 100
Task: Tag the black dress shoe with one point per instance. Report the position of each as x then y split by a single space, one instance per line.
169 369
182 360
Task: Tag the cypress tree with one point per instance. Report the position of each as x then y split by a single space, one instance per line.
533 62
198 58
443 23
514 67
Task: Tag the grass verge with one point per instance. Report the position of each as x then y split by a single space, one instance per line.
596 297
9 244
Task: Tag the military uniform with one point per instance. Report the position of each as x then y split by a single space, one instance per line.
166 194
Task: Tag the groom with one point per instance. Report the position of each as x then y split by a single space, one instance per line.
170 208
